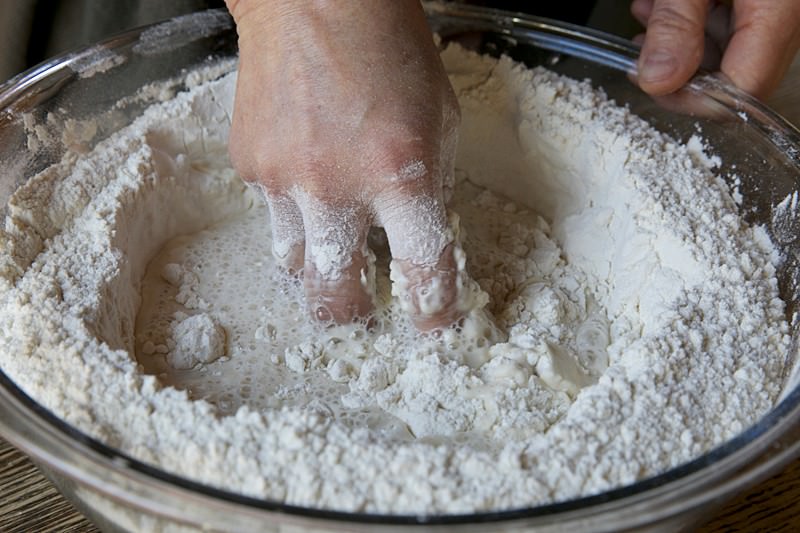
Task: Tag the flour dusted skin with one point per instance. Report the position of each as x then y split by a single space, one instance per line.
624 319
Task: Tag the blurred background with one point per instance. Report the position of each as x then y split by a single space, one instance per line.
32 31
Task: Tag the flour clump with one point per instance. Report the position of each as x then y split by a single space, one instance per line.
621 316
195 339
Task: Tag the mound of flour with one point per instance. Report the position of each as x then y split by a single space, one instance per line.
634 317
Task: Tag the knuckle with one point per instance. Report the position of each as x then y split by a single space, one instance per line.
408 158
403 197
318 176
252 162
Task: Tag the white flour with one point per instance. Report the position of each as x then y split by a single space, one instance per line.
636 321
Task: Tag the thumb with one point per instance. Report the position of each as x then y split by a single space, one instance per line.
673 45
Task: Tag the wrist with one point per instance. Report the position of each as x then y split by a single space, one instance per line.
259 15
260 21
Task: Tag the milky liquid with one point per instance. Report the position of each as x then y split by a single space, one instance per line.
233 277
259 307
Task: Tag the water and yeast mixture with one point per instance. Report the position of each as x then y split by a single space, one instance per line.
626 319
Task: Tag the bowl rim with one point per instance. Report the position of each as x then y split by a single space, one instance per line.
587 43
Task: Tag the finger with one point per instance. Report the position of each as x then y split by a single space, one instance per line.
341 300
336 275
288 234
765 39
424 269
429 293
673 45
641 10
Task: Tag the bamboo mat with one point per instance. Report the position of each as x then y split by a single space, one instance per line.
30 503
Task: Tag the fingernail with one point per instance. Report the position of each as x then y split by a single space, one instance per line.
658 66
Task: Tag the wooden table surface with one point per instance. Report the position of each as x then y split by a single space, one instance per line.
30 503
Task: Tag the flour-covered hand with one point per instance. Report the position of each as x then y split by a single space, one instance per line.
752 42
346 118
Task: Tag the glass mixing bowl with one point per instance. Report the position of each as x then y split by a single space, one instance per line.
104 82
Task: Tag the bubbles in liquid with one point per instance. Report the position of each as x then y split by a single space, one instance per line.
263 312
244 299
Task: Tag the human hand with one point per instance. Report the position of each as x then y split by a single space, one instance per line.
752 43
346 118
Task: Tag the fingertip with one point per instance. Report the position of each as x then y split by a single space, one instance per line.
437 323
641 10
673 45
342 298
429 293
658 72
